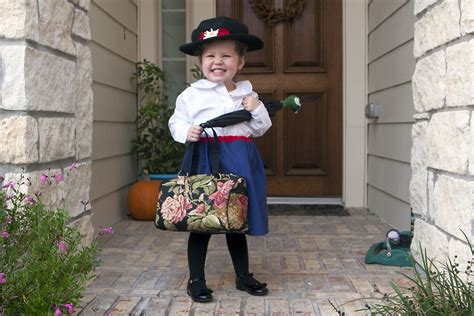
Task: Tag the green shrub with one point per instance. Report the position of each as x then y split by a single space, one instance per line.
43 267
154 143
437 288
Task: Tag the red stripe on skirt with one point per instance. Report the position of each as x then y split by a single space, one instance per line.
226 139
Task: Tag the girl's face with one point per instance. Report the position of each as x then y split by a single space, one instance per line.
220 62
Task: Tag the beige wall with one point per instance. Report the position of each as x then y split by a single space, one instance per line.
149 24
114 52
390 67
354 99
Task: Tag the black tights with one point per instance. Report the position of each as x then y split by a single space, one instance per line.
197 250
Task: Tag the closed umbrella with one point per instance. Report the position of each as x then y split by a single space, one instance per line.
231 118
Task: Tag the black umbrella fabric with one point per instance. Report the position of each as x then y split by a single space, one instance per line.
228 119
236 117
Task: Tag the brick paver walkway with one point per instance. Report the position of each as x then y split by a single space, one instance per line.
306 261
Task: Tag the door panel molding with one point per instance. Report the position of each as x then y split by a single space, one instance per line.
306 153
305 40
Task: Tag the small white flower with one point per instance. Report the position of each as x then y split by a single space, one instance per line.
211 33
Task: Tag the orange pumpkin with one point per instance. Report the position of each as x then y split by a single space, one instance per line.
142 198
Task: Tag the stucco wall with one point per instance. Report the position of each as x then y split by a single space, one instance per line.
442 186
46 101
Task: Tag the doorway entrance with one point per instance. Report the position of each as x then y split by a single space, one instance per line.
302 153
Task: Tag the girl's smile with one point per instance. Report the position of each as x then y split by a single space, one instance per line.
220 62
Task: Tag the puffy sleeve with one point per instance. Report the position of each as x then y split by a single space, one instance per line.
180 121
260 121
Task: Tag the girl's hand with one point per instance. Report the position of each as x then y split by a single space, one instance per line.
194 132
250 103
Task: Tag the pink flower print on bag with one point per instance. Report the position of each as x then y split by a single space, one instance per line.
221 196
199 210
174 209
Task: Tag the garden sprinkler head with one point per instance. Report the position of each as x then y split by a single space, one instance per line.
393 237
293 102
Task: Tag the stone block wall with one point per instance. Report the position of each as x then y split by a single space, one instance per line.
46 100
442 186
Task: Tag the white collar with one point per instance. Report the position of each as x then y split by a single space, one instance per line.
242 88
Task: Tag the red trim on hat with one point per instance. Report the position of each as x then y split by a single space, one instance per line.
221 32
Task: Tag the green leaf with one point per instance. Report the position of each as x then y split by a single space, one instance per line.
211 221
196 217
196 226
168 184
168 225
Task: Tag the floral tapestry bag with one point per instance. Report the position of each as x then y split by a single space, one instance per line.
211 203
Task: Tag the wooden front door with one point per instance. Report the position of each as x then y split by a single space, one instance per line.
302 153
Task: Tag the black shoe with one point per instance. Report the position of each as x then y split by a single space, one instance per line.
247 283
198 291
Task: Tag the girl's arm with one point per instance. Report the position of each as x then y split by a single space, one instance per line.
179 122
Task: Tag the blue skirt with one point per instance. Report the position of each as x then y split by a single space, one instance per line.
240 156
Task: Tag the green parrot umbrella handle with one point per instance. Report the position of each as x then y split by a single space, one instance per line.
293 102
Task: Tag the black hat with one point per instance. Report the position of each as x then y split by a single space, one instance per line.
221 28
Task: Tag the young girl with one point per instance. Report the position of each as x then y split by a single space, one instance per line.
220 44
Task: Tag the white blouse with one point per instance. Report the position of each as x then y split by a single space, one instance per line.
205 100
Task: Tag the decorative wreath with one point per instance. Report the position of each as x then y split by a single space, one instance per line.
272 16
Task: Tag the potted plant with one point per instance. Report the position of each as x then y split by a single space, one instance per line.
157 151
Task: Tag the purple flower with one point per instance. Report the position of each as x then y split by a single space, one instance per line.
73 166
70 308
2 278
8 220
106 230
43 178
5 234
62 246
28 199
2 178
57 312
9 185
59 177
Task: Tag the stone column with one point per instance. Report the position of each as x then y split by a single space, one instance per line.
46 100
442 185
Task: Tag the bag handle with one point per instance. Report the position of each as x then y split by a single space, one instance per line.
214 152
191 155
